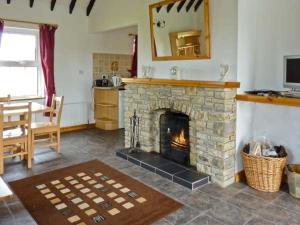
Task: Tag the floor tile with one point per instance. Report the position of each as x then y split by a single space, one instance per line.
205 220
199 201
183 215
259 221
288 202
229 214
263 195
279 215
247 202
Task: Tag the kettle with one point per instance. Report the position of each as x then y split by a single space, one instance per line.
116 81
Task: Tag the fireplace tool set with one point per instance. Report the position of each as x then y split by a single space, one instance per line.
134 133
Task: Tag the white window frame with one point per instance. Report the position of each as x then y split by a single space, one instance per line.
35 63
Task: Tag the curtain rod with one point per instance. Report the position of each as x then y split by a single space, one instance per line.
28 22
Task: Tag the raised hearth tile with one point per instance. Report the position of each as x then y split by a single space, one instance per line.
156 161
142 156
169 170
122 154
148 167
133 160
166 168
191 179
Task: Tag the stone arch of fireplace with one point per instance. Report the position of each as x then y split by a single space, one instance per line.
150 136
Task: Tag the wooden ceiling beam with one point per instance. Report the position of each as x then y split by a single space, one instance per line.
198 5
158 9
169 7
180 5
189 6
31 3
72 5
90 7
53 2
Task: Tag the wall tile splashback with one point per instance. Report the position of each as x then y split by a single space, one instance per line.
102 64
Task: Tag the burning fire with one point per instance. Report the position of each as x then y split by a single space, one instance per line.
180 139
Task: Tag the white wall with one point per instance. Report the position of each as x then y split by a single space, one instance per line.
112 14
73 52
267 31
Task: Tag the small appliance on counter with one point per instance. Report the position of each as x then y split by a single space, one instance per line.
104 82
116 80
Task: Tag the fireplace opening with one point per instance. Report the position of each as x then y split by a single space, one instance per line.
174 137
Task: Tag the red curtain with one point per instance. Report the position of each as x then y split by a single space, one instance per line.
134 65
47 42
1 29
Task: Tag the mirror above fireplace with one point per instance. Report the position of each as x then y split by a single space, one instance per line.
180 30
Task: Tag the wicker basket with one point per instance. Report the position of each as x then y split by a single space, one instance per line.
264 173
293 172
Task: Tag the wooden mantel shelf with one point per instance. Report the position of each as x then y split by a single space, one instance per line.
183 83
269 100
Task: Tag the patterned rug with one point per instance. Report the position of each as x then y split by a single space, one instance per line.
91 193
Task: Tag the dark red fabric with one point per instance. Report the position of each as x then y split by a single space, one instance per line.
1 29
47 43
134 65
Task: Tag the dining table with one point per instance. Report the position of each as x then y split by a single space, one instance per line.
35 108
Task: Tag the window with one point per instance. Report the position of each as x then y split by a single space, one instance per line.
19 63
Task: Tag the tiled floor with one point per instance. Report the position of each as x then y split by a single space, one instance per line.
211 205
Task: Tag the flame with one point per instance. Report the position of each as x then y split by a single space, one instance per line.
180 139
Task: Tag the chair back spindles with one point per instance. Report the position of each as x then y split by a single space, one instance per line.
59 104
21 119
53 107
56 109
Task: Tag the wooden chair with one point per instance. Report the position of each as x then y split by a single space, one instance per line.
15 134
50 129
6 99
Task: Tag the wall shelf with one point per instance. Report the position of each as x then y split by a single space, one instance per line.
183 83
107 108
104 119
106 105
269 100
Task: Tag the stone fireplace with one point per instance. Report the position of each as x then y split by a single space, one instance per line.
190 122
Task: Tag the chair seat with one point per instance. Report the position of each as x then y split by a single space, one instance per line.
14 133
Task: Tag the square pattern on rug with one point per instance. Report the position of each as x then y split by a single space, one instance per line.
91 193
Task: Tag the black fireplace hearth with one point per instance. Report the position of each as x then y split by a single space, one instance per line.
174 137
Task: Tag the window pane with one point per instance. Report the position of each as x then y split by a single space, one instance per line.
18 47
18 81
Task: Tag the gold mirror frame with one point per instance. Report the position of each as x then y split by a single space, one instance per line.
206 55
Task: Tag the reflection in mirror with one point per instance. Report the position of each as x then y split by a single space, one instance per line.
180 29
